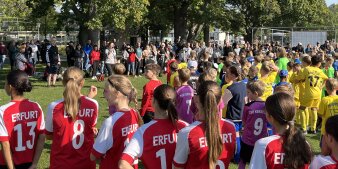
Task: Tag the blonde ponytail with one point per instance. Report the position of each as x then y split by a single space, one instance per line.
212 128
71 96
72 79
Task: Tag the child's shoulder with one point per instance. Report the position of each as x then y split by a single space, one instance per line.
255 104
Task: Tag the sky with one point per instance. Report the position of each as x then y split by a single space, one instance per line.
330 2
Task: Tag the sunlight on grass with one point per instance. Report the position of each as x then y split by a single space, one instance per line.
44 95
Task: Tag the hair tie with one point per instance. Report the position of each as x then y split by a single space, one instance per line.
291 123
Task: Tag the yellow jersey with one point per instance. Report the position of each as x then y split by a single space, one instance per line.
182 65
314 79
269 83
290 73
172 79
328 107
296 85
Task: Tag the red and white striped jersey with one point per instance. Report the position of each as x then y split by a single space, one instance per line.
72 138
21 122
192 149
154 143
269 154
324 162
114 136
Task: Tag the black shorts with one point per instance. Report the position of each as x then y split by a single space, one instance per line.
53 69
246 152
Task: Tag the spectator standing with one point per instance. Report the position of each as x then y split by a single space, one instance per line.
131 61
111 58
44 46
103 55
70 50
3 53
53 62
34 53
94 60
78 56
20 59
139 63
13 50
87 49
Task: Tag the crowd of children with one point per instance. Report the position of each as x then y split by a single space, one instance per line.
251 108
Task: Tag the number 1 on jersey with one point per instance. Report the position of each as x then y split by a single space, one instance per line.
161 153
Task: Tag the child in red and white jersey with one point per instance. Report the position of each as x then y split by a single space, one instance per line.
70 124
154 143
119 127
329 157
21 125
209 142
287 149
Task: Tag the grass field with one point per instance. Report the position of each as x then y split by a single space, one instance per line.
44 95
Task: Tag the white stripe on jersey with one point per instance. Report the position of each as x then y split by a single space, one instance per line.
321 161
97 105
229 122
182 145
49 118
3 129
135 146
42 125
258 156
105 140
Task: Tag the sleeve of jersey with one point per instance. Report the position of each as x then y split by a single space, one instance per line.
41 121
104 140
323 75
258 156
315 163
3 129
182 149
245 112
96 113
49 120
322 107
301 75
134 148
145 101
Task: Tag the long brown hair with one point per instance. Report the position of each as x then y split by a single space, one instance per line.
72 79
209 94
165 97
281 107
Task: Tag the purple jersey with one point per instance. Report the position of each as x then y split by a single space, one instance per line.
255 123
183 103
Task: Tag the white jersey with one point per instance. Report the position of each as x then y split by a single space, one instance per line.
269 154
324 162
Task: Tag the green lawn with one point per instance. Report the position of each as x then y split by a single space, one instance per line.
44 95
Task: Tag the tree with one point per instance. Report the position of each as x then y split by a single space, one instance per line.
284 13
94 15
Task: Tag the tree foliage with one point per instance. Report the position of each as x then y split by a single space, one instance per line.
93 15
17 8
